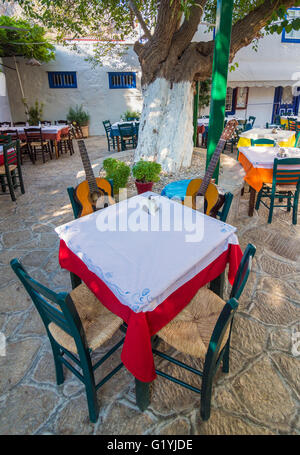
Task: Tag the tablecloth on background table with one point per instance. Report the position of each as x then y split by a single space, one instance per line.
284 138
258 163
143 280
51 132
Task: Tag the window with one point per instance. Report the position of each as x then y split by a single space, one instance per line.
294 35
62 79
230 101
122 80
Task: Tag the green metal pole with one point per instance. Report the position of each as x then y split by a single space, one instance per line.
219 77
195 118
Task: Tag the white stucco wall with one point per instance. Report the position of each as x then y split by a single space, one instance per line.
4 102
92 89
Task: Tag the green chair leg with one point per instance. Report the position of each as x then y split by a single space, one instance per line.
90 388
205 404
225 360
258 200
295 207
57 362
271 210
289 202
10 187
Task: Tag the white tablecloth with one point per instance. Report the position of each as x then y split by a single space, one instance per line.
263 157
142 267
264 133
51 129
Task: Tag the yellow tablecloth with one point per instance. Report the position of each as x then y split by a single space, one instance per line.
259 133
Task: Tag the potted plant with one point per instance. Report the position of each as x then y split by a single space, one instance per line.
145 174
78 116
34 113
118 172
130 115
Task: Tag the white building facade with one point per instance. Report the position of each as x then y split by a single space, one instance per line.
263 85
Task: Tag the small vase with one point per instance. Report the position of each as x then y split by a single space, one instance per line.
143 187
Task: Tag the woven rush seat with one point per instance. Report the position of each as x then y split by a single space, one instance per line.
282 187
37 144
12 167
98 322
190 331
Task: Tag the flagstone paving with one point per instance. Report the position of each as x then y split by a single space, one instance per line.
261 393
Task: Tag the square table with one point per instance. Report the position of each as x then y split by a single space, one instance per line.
116 133
258 164
147 268
283 138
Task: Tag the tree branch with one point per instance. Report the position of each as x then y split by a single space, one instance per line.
139 17
245 30
189 26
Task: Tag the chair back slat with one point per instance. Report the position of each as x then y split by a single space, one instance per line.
291 124
262 142
107 126
11 154
33 134
286 171
126 129
13 133
243 272
19 124
61 122
5 124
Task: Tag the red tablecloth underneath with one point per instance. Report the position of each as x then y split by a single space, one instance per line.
50 136
137 352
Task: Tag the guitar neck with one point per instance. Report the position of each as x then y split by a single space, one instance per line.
87 167
211 167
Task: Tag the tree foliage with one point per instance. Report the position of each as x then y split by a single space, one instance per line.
22 42
114 20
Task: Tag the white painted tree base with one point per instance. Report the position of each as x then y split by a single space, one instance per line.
166 125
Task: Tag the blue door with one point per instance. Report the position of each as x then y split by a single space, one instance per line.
284 102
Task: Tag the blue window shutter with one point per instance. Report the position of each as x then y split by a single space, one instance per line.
121 80
62 79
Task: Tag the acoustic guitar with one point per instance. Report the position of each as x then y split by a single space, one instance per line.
202 194
94 193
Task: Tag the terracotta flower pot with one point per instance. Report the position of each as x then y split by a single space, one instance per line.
143 187
85 131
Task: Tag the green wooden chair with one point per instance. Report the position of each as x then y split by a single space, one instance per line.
285 185
268 142
223 213
11 172
76 324
291 124
208 320
127 135
297 142
251 120
110 139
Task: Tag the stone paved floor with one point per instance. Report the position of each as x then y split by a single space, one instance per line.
261 393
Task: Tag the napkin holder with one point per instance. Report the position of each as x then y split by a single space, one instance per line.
282 153
150 206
